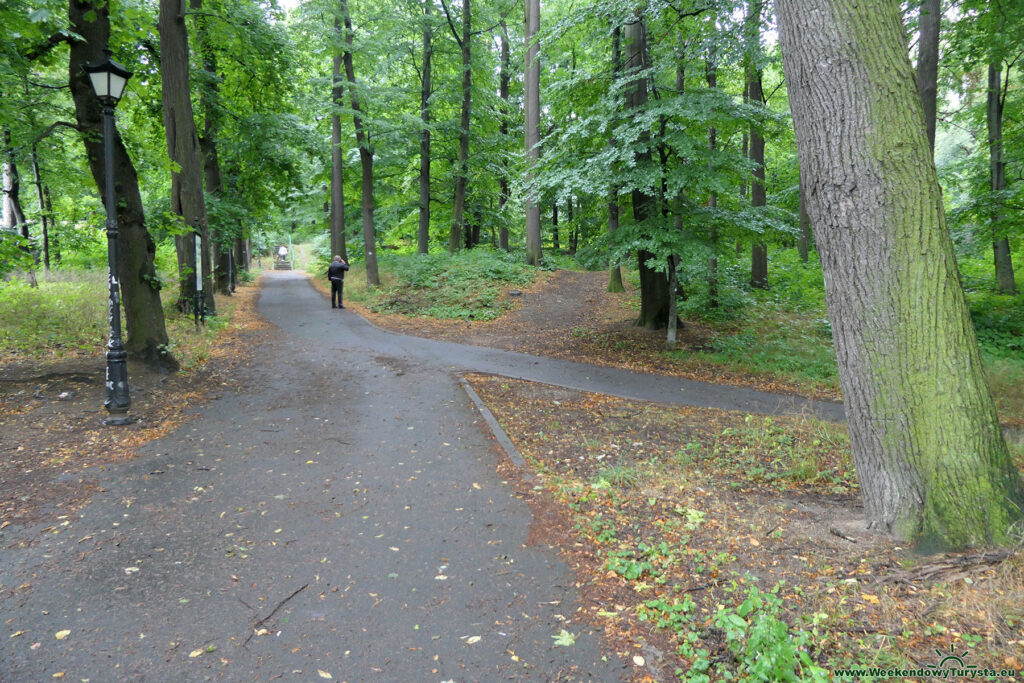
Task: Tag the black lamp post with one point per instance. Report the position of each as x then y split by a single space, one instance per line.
108 81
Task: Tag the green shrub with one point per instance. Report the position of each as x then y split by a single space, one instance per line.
62 313
464 285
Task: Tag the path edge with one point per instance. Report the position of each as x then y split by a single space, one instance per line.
492 423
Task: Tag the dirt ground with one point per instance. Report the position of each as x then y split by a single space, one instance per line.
51 412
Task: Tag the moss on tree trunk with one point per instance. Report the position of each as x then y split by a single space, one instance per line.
933 466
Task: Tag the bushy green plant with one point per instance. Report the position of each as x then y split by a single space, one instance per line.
464 285
765 647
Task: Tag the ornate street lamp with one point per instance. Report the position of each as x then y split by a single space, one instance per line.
108 81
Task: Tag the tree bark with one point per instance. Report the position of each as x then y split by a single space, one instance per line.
44 219
146 333
15 214
554 225
187 198
804 240
614 271
503 91
53 242
1002 261
462 170
758 199
337 208
711 75
531 77
928 62
653 283
423 233
365 157
220 240
933 466
574 233
673 304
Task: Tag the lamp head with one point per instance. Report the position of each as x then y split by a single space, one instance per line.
108 79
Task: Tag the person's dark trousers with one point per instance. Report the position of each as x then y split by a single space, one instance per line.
336 289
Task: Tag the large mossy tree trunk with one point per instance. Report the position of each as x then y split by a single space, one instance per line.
654 299
531 76
365 156
933 466
145 330
337 207
187 198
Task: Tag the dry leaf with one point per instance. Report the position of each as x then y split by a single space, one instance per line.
324 674
472 639
61 635
195 653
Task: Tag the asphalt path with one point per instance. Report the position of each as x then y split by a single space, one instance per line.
341 518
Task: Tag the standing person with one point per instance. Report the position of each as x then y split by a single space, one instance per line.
336 274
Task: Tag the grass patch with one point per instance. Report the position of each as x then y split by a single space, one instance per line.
792 346
462 286
66 317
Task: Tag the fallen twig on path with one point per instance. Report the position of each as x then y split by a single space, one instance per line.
264 620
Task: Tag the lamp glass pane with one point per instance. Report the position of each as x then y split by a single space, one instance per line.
99 83
117 84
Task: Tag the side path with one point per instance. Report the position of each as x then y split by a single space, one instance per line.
357 334
341 515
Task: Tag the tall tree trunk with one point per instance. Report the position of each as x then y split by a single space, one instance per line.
614 271
804 240
365 157
653 283
574 233
928 62
220 241
933 466
673 304
1005 281
12 190
44 220
337 208
187 199
146 333
423 233
554 225
711 75
531 77
52 241
759 249
503 82
462 170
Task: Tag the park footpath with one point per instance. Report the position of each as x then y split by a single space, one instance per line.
340 518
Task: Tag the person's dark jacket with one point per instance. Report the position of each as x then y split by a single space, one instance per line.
336 271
